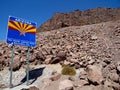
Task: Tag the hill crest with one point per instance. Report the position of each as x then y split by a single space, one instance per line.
80 18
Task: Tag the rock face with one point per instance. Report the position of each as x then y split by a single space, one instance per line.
78 18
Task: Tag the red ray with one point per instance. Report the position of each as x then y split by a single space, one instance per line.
33 27
13 23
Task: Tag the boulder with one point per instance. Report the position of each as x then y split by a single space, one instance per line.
94 74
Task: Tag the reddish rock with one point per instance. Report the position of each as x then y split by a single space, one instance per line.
33 88
61 55
16 63
39 55
32 58
94 74
55 60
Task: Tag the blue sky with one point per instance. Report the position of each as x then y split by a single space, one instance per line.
41 10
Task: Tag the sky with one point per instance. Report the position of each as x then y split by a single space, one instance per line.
40 11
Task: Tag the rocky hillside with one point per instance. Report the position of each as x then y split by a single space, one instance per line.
79 18
94 48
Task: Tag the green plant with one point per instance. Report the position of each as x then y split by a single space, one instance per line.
68 70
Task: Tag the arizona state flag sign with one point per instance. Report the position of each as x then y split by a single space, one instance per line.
21 32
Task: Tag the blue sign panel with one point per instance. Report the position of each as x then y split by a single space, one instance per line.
21 32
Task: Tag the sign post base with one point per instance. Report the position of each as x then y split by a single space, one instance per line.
28 58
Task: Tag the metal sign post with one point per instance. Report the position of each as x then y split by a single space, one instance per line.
28 58
21 32
11 66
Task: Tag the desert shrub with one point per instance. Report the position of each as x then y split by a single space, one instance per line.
68 70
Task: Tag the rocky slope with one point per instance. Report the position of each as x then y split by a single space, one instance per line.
94 48
79 18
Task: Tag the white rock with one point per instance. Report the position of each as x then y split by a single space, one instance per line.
66 85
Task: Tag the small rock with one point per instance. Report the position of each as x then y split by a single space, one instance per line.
71 78
84 82
66 85
77 66
66 63
31 88
118 68
114 77
56 60
1 60
2 86
16 63
61 55
32 59
39 55
73 60
94 37
55 76
91 62
47 60
0 54
83 74
46 81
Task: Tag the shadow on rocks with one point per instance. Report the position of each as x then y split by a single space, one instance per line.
33 75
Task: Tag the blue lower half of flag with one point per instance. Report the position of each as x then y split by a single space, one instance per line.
14 37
